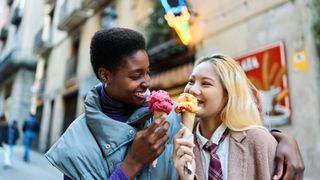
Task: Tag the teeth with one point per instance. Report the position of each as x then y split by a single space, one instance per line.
141 94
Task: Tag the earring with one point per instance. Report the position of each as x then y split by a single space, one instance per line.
105 84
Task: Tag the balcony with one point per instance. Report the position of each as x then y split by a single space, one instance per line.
4 34
10 65
17 16
72 15
9 2
50 1
42 43
71 69
95 4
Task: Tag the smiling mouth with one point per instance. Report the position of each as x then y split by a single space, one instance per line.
140 94
200 102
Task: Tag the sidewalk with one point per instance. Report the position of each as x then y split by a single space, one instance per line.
37 168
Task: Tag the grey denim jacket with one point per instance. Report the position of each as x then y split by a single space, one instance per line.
94 145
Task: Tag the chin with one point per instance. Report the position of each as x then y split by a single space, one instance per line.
199 115
138 103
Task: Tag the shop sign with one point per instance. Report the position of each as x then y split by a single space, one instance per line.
266 69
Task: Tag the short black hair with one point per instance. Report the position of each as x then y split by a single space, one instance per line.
110 47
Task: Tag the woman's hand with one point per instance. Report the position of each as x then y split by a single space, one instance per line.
146 147
183 153
288 158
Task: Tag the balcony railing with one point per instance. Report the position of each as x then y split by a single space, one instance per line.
73 14
41 45
9 2
50 1
17 16
4 34
95 4
165 50
71 69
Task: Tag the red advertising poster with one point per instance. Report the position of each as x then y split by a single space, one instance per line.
266 69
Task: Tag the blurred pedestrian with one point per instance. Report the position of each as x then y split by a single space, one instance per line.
11 136
3 125
30 130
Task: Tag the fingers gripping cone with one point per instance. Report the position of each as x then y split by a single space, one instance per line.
187 107
158 114
188 119
160 103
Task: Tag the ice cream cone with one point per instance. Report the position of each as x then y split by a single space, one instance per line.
188 119
158 114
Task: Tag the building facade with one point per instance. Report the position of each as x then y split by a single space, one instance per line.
17 62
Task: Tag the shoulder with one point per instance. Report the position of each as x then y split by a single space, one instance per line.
258 133
74 149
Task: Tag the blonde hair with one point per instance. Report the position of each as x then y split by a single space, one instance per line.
241 111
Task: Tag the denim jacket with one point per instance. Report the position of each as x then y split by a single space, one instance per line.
94 145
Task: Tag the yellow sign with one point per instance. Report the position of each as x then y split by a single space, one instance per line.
299 60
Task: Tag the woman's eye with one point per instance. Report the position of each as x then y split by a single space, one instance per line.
135 77
206 84
190 82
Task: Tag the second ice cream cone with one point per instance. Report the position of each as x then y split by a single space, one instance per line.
158 114
188 119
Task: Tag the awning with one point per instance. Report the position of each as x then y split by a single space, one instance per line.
172 77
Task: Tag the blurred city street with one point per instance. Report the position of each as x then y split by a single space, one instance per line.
37 168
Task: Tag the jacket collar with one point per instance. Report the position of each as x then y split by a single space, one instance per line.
238 136
108 133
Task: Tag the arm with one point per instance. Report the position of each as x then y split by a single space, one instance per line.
146 147
289 163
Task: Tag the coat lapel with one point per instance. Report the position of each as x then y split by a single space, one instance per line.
199 168
237 164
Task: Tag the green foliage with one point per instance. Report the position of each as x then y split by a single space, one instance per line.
315 10
314 6
157 29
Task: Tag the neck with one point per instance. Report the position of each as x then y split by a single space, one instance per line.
209 126
115 109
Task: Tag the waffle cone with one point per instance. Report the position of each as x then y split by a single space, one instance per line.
188 119
158 114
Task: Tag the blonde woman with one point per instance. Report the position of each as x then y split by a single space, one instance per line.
230 121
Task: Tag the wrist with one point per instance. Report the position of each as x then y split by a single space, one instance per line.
131 167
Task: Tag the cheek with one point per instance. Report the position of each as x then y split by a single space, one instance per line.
132 85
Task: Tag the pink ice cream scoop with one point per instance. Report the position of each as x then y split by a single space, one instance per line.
159 101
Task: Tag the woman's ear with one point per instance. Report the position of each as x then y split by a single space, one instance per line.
104 75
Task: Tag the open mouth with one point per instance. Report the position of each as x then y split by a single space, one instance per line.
200 103
140 95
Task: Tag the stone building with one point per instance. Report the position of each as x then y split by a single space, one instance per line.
17 62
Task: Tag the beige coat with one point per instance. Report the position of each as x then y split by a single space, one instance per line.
251 155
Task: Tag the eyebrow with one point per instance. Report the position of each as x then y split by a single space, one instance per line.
138 70
208 78
204 78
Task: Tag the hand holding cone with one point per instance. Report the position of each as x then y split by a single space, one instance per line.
187 107
159 102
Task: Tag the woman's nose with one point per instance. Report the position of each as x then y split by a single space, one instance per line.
194 90
146 82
